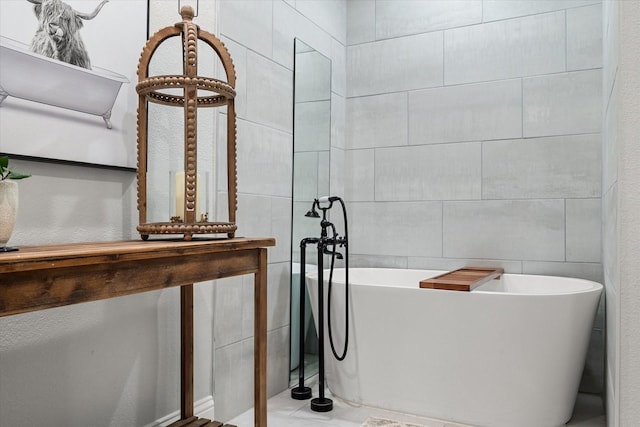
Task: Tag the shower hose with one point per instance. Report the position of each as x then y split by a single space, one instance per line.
340 357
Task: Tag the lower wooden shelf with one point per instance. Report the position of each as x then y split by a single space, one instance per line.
198 422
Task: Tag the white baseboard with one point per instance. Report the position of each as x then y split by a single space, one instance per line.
203 408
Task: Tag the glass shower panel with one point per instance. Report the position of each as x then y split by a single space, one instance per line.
311 156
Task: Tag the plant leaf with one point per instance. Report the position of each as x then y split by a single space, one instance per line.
18 175
4 162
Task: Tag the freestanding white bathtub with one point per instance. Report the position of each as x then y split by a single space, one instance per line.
508 354
26 75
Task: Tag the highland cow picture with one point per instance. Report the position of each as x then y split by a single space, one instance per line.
67 79
58 34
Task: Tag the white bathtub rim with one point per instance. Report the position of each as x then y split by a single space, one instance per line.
577 285
22 48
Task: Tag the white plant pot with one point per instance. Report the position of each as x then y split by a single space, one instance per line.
8 209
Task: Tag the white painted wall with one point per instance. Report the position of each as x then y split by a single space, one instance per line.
113 362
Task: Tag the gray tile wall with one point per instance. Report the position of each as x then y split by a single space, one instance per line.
517 47
475 115
260 35
473 137
474 112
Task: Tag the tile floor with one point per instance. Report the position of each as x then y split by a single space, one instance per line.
286 412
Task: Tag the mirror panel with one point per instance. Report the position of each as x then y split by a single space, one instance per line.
311 157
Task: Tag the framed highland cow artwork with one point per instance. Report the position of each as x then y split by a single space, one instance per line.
67 79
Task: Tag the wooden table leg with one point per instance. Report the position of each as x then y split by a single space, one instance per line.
260 341
186 351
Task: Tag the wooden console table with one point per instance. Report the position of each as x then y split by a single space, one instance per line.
40 277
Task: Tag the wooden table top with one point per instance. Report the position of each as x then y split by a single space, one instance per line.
58 255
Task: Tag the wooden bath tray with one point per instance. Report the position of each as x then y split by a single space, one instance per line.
462 279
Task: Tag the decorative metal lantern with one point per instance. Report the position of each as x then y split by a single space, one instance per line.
161 90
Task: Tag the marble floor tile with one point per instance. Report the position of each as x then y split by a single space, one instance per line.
286 412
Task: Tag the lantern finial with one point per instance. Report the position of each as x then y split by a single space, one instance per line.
187 13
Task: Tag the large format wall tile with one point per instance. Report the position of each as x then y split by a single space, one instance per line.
330 15
278 294
510 229
610 54
248 22
503 9
264 216
584 37
361 21
336 166
359 175
583 230
377 121
316 86
324 172
228 310
466 113
250 224
269 87
338 68
428 172
553 167
405 63
239 56
587 271
278 360
289 24
233 373
398 228
280 229
338 120
394 19
610 232
562 104
505 49
312 131
305 176
375 261
610 143
449 264
284 33
264 160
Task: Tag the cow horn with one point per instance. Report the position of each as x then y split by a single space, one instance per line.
90 15
35 1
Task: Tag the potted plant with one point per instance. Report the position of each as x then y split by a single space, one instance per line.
8 200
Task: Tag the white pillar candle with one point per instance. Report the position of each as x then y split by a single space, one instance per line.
180 196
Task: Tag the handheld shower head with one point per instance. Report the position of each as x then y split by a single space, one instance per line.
313 213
